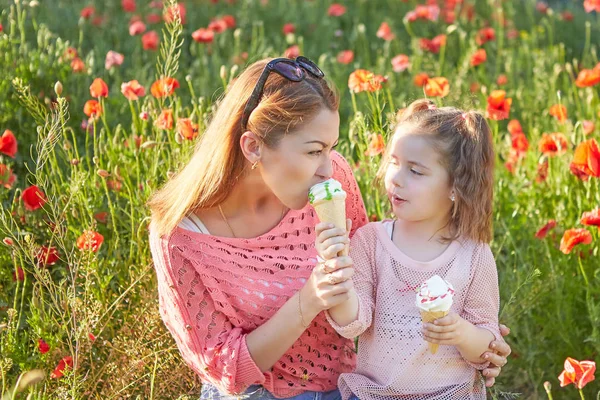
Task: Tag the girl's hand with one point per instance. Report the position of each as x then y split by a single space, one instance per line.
449 330
497 356
331 240
328 285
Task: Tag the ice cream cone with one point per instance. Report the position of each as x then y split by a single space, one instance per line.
333 211
430 316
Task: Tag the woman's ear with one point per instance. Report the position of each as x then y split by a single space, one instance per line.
251 146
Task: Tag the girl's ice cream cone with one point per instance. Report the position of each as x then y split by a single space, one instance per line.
434 299
329 201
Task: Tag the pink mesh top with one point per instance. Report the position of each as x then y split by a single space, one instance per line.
393 358
214 290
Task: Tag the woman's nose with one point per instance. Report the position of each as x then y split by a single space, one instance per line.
325 170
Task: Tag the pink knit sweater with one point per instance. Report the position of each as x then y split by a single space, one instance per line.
213 291
393 358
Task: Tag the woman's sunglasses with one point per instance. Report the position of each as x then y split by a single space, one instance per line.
289 69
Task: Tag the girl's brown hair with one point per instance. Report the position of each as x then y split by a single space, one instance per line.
464 142
218 162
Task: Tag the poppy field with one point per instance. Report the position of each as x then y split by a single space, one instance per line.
102 101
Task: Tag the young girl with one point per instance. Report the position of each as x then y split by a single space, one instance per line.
438 174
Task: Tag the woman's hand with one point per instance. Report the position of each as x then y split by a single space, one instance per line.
328 285
498 354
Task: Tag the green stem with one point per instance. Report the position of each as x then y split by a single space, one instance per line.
581 394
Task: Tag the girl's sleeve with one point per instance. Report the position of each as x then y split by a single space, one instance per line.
206 339
362 251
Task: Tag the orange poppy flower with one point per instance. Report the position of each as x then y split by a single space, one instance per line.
573 237
591 217
400 63
92 108
559 112
586 160
164 87
514 127
150 40
437 87
164 120
345 57
588 77
77 65
90 240
170 14
498 105
542 171
485 35
336 10
421 79
33 198
385 32
376 146
99 88
553 144
132 90
8 144
362 80
579 373
478 58
187 128
7 178
502 80
541 234
520 144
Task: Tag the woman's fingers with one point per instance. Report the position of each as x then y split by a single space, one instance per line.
337 263
335 240
504 330
495 359
500 347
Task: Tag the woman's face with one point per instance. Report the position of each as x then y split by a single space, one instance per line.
301 159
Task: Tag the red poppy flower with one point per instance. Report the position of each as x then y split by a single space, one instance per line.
77 65
43 346
33 198
400 63
137 28
498 105
90 240
132 90
19 275
591 217
336 10
203 35
573 237
587 78
559 112
437 87
544 229
164 120
229 21
46 256
101 217
187 128
376 146
292 51
385 32
434 45
478 58
579 373
588 127
217 26
288 28
520 144
7 178
485 35
92 108
542 171
128 5
345 57
421 79
8 144
87 12
172 12
150 40
591 5
164 87
586 160
99 88
65 363
502 80
113 58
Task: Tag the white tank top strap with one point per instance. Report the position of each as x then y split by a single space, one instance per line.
388 224
192 222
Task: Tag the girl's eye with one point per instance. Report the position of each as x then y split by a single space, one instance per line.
414 171
316 153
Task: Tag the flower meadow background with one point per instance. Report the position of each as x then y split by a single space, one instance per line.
102 101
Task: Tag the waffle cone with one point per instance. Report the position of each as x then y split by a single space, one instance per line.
333 211
430 316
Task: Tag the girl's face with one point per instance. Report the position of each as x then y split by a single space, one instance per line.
417 184
301 159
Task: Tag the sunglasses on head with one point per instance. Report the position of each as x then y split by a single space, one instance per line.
292 70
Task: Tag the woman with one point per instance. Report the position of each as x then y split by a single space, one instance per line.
232 239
